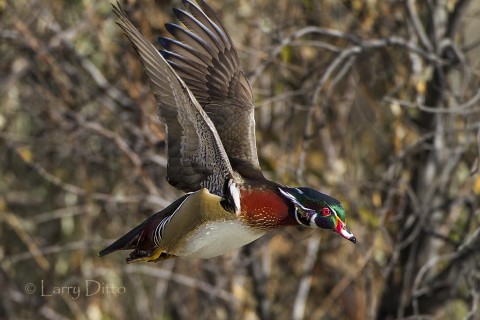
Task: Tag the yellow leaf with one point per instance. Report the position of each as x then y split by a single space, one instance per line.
25 154
286 54
377 199
476 185
421 87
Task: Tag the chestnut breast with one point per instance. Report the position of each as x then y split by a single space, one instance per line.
264 208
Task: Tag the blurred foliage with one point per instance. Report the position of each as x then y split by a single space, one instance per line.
375 102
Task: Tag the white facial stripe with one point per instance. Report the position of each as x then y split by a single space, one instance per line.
288 195
295 201
333 210
296 216
291 197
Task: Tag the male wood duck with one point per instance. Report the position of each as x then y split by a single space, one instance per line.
207 105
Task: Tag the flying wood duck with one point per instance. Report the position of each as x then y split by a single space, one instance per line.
206 102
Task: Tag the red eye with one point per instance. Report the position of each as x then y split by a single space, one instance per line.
325 212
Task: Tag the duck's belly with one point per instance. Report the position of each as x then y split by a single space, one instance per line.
216 238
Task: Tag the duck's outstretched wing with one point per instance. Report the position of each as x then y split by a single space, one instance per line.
196 156
203 55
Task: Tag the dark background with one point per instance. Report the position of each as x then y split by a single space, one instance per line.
374 102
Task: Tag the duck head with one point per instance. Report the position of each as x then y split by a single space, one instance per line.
318 210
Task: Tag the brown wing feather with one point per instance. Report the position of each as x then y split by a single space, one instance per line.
196 157
204 56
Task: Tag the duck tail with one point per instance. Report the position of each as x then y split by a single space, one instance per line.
130 240
142 237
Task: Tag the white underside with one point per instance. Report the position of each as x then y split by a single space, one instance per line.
216 238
